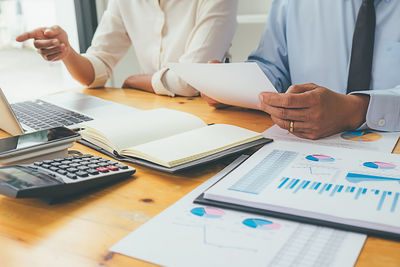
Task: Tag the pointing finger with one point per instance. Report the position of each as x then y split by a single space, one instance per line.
35 34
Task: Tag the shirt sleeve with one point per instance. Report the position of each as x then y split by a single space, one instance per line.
109 44
210 39
272 54
384 109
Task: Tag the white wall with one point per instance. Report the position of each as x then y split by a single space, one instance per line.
252 15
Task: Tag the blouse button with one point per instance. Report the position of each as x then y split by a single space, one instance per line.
381 122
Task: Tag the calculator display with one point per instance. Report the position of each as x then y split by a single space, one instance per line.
21 177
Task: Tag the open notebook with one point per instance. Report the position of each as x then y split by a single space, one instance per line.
166 139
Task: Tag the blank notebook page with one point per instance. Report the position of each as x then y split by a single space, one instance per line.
194 144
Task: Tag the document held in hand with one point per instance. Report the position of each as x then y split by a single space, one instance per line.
237 84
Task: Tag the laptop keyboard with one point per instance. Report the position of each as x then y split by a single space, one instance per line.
40 115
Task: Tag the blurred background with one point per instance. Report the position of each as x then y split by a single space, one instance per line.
22 67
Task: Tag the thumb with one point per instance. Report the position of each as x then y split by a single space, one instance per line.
301 88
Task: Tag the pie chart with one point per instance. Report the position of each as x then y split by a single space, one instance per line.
261 224
320 158
208 212
361 136
380 165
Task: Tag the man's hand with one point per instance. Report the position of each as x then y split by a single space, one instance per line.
316 111
52 43
141 82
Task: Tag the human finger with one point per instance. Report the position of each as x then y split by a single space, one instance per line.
303 100
301 88
46 43
299 127
51 51
287 113
35 34
52 57
213 102
53 31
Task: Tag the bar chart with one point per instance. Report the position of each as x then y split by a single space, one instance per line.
357 193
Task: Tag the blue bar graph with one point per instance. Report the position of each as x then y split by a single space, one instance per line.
323 188
395 200
358 193
294 184
316 187
284 181
381 200
335 189
300 186
297 186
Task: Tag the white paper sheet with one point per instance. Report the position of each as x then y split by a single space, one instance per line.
364 139
327 183
187 234
237 84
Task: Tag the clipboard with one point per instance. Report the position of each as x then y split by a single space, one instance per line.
301 219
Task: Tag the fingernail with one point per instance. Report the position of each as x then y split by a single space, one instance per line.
55 42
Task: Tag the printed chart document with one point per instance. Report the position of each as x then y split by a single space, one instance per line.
349 189
360 139
237 84
193 235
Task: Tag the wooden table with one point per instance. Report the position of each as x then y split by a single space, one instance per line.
80 232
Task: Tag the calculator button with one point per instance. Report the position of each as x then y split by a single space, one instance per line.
62 172
85 162
66 162
55 164
54 169
64 167
121 166
72 170
82 174
82 168
103 164
96 158
93 166
103 160
76 161
74 165
94 161
38 163
112 168
46 166
48 161
102 169
58 160
92 171
71 176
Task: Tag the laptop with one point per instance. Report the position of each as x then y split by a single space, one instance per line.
70 109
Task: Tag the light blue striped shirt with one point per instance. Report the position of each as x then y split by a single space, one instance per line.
310 41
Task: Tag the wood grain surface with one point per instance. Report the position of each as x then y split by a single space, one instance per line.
79 232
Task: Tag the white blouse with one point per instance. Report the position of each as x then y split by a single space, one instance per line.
162 32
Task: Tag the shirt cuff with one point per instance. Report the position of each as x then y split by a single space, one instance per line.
100 72
383 110
158 85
